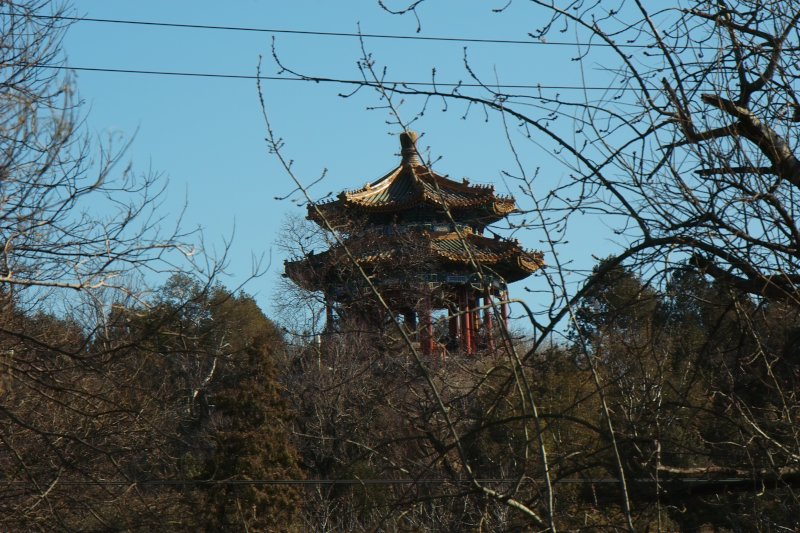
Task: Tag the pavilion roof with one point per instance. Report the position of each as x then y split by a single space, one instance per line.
413 185
420 252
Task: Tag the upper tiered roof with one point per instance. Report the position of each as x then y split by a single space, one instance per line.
413 192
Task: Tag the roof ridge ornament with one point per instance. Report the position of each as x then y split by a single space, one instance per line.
408 148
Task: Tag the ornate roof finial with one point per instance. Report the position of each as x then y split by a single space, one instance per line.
408 148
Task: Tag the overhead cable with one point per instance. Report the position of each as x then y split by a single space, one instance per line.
336 33
384 83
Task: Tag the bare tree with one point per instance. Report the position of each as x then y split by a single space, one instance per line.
689 159
51 238
82 417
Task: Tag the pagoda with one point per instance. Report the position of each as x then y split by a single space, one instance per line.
418 239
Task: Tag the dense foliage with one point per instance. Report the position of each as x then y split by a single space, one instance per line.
160 421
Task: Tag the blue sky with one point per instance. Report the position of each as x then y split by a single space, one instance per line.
206 135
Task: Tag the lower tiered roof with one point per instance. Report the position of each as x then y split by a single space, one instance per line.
415 255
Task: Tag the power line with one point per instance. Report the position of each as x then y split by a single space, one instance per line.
474 40
358 35
331 33
327 80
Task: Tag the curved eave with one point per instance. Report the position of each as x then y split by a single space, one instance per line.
331 211
507 258
503 257
305 273
411 185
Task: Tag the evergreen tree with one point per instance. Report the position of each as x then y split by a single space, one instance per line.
235 441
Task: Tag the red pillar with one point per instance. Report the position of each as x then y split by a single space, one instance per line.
423 334
476 321
466 321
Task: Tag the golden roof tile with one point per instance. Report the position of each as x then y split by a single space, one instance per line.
412 184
